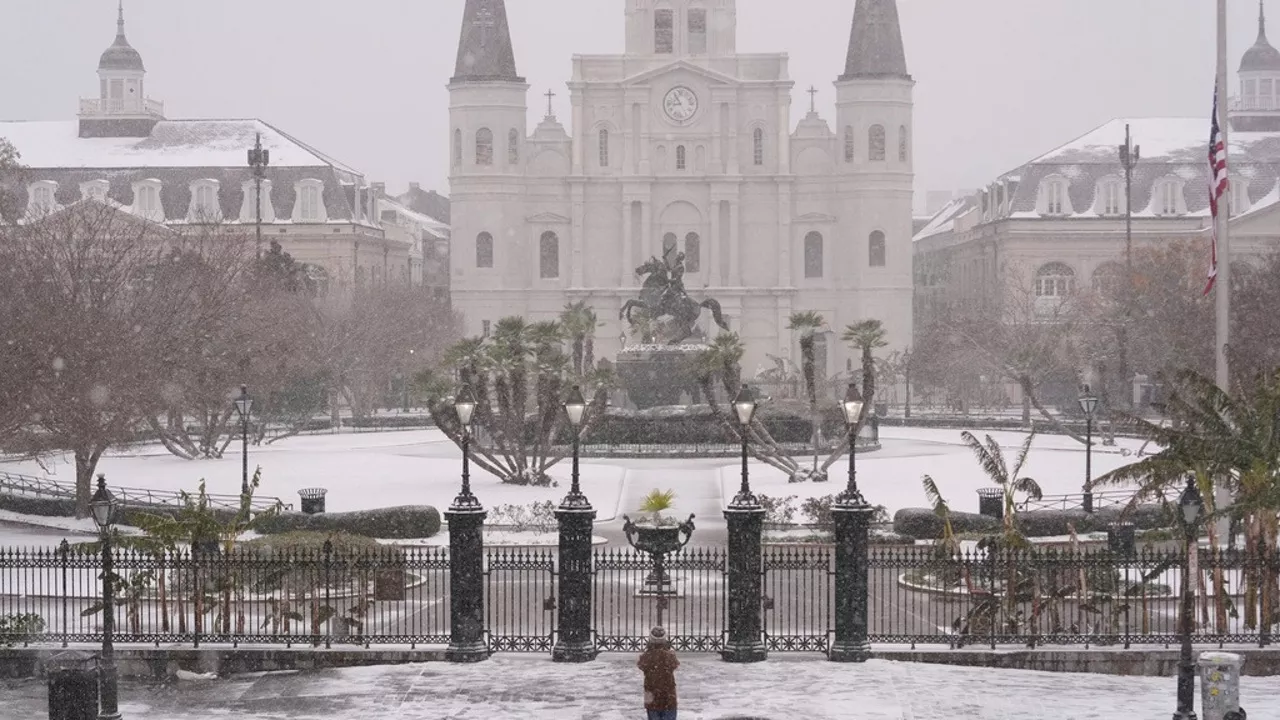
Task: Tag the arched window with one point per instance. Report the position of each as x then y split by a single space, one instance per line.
902 143
813 255
1108 280
1168 197
484 250
604 147
1054 199
664 32
681 160
670 244
692 252
757 146
697 31
484 146
876 249
876 143
513 147
848 143
1110 196
1055 280
457 148
549 256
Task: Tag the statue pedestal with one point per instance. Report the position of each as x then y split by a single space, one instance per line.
656 375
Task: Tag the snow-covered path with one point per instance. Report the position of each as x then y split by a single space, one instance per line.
784 688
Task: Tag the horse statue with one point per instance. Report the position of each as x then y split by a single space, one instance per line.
663 295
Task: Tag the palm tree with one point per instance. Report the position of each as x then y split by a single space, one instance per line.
1010 480
579 322
808 323
867 336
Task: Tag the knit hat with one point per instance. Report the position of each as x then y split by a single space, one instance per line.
658 637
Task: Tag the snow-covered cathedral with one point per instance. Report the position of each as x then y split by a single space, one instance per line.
682 142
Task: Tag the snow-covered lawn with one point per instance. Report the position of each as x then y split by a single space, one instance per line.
508 687
891 476
361 471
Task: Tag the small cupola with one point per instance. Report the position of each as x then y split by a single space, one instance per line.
121 55
1262 57
122 108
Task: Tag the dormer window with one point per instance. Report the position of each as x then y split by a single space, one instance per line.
1167 197
249 208
664 25
309 207
41 198
94 190
204 202
1054 199
1239 196
1110 197
146 200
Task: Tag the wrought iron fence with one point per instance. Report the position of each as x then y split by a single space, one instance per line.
30 486
381 596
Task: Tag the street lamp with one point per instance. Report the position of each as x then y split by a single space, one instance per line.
103 508
244 405
852 409
465 406
1089 404
1191 505
744 406
259 159
575 407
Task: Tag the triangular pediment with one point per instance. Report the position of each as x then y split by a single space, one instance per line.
814 218
547 218
712 75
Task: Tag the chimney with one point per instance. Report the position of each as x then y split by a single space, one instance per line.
415 187
377 192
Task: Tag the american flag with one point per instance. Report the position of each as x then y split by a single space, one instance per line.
1218 184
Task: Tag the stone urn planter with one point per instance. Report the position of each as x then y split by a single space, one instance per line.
658 537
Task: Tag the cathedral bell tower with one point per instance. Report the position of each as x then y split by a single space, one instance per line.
875 161
682 28
122 108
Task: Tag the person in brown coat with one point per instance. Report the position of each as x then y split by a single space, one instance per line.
659 663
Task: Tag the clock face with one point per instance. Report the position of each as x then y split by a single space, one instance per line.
680 104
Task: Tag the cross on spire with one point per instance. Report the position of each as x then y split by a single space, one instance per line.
550 96
813 99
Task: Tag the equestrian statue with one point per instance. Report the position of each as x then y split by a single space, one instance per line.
663 296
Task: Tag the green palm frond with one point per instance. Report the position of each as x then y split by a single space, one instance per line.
867 334
993 467
807 322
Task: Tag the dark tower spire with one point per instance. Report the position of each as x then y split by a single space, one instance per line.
484 50
1262 22
1262 57
875 43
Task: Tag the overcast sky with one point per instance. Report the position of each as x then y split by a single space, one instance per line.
998 81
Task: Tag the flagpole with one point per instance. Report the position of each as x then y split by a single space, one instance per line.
1222 298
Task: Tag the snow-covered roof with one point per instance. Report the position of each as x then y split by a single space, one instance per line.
171 144
945 219
427 223
1173 140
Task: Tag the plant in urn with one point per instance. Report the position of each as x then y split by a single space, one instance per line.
659 536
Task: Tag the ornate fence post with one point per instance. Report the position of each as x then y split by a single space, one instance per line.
466 579
64 548
574 640
746 526
852 516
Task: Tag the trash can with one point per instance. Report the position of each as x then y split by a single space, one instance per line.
73 686
1122 538
991 503
312 500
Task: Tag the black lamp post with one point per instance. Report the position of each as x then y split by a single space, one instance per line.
259 159
244 405
466 554
745 518
576 518
1192 506
852 518
103 508
744 407
1089 404
852 409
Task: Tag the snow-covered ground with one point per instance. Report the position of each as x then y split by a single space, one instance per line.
361 471
891 476
508 687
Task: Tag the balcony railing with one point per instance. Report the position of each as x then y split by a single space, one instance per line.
1255 104
117 106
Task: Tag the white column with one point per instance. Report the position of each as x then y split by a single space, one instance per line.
735 245
646 164
625 279
578 190
784 132
713 246
646 227
733 137
784 236
579 133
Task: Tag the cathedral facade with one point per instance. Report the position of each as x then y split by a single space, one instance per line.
683 144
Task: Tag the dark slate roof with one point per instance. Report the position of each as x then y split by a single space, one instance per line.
875 43
484 49
121 55
1261 57
1175 147
426 202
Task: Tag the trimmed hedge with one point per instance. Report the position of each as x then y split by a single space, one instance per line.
922 524
395 523
697 424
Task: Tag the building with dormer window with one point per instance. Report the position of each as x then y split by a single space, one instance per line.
682 142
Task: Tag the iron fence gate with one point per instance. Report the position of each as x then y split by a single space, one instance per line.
628 598
520 599
798 582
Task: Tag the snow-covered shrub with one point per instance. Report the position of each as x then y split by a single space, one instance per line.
413 521
534 517
778 510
